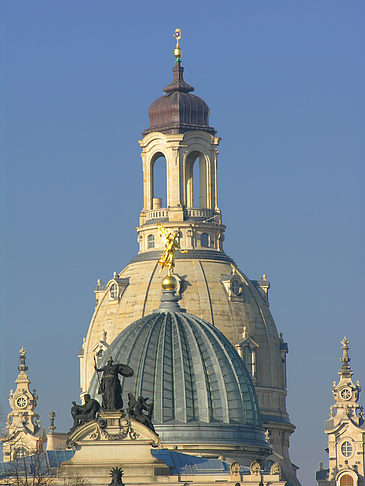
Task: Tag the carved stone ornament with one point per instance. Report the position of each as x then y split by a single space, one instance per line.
126 430
111 426
235 470
255 468
275 468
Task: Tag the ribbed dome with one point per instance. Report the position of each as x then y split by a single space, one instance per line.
178 110
201 390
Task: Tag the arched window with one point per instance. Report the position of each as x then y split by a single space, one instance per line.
204 240
159 179
114 291
151 241
196 181
346 480
247 358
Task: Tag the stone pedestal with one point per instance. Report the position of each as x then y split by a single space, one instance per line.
113 440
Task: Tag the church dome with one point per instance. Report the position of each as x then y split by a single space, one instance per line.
201 390
178 111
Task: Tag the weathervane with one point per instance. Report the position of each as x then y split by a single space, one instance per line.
177 51
171 245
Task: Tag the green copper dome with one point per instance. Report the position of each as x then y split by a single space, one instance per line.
201 390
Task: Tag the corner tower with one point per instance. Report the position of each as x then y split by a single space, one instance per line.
345 429
210 284
23 434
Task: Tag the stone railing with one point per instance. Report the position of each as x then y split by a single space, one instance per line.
156 214
202 213
198 213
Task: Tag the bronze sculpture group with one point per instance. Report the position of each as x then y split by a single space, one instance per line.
111 393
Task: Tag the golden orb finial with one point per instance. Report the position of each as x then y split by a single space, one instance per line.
177 51
169 283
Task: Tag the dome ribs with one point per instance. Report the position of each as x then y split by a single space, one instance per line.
184 409
157 367
143 377
199 374
216 378
242 384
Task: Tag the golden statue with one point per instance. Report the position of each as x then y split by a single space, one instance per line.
171 245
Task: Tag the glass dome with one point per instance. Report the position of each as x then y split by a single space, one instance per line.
201 390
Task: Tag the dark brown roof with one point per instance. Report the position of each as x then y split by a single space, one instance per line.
178 111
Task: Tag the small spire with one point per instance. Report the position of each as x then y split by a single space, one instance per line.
22 356
177 51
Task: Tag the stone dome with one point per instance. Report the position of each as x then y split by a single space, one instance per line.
201 390
178 110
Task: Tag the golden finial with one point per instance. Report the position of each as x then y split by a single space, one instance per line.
170 238
177 51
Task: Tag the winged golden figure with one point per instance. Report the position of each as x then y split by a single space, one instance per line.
171 245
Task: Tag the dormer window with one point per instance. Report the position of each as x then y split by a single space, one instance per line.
236 287
114 291
248 359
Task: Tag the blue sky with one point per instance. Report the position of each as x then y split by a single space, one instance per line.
284 81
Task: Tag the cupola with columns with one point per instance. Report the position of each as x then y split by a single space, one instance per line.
179 133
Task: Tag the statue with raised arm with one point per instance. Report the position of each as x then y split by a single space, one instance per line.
170 239
109 385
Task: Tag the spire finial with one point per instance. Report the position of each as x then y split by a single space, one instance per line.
345 358
177 51
22 356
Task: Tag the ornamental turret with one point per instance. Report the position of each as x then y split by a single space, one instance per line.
23 434
345 392
346 431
